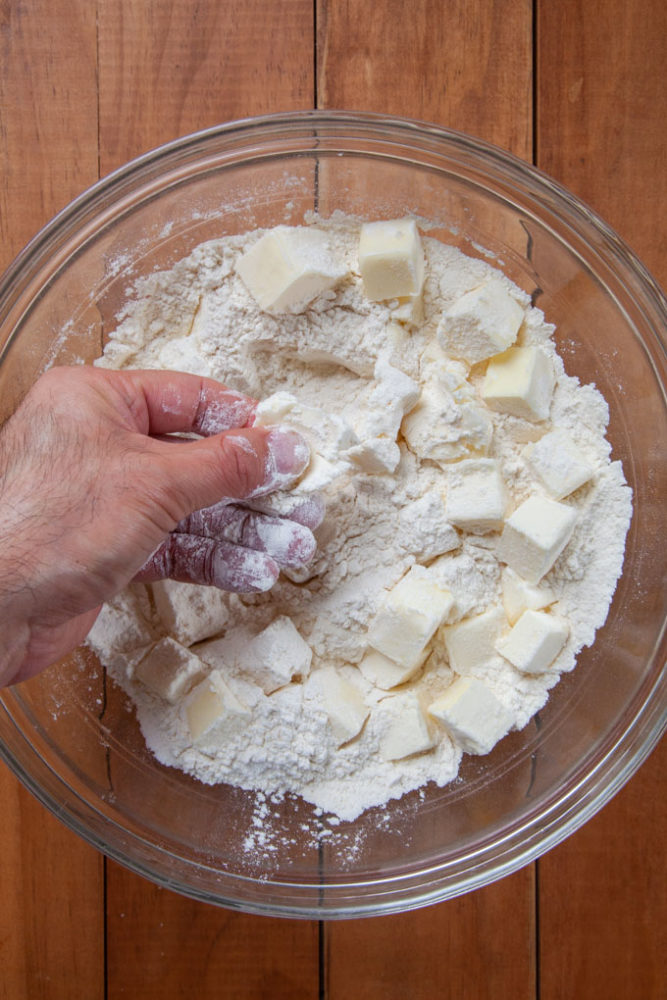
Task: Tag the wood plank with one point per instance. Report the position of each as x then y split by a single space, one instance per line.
166 69
172 67
466 65
52 915
475 947
601 111
51 919
166 946
48 129
603 905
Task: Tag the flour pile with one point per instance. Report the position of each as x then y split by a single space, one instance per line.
474 532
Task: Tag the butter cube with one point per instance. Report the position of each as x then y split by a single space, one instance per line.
385 673
408 731
472 715
121 634
483 322
408 617
476 498
343 703
393 395
534 642
190 612
520 596
408 310
520 382
535 535
277 654
212 711
224 651
377 456
170 670
288 267
558 463
444 428
391 259
472 642
379 418
424 529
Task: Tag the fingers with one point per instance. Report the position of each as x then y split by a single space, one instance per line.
289 543
193 559
236 465
307 510
232 548
164 402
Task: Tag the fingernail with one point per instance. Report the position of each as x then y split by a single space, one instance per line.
289 450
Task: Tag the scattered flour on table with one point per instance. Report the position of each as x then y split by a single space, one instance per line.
199 317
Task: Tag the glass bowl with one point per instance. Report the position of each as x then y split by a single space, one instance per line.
70 734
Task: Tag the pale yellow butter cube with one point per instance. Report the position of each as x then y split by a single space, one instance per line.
444 428
275 655
559 464
476 497
122 635
425 530
385 673
213 711
520 382
377 456
409 310
190 612
391 259
408 617
407 731
343 703
472 642
288 267
534 642
170 670
520 596
481 323
535 535
472 715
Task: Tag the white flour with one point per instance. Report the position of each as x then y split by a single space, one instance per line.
199 317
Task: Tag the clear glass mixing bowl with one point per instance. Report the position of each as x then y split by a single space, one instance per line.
69 735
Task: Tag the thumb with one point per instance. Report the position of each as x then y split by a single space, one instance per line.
236 465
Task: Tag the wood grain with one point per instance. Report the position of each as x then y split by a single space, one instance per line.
603 905
466 65
601 112
48 121
171 67
475 947
162 945
51 918
52 914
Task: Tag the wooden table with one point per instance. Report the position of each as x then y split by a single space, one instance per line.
576 86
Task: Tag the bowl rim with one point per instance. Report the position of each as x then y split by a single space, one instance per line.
313 119
586 797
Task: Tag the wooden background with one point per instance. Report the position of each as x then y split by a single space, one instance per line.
576 86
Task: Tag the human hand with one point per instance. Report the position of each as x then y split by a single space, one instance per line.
93 496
